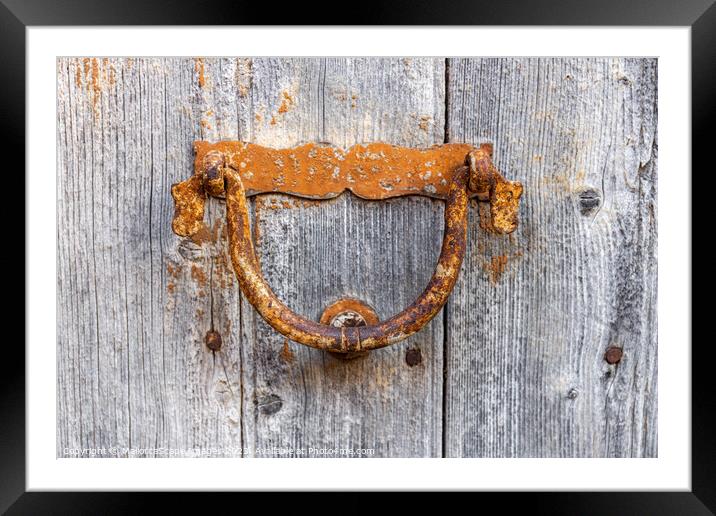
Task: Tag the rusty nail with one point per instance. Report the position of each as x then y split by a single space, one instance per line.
613 355
413 357
213 340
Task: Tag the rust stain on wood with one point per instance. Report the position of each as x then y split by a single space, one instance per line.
78 75
287 102
286 353
199 69
91 69
496 267
198 275
174 270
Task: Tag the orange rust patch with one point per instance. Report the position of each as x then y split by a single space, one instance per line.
91 68
286 103
170 288
199 69
305 203
198 275
223 273
496 267
215 231
95 79
286 353
78 76
174 271
275 204
483 209
273 120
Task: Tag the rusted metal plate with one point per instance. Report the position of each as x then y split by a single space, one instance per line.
371 171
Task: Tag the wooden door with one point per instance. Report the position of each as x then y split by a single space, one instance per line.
512 367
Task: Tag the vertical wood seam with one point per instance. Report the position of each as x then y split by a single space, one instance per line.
446 139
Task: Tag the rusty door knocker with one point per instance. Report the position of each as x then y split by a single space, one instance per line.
454 172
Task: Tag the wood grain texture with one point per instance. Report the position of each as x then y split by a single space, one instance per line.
532 315
135 301
527 325
314 253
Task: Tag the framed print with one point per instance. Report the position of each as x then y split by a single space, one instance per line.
462 252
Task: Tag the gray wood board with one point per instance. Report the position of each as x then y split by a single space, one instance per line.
533 313
135 301
525 373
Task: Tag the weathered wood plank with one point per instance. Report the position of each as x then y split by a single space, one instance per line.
532 315
135 301
528 323
314 253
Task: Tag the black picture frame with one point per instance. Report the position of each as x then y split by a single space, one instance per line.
700 15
